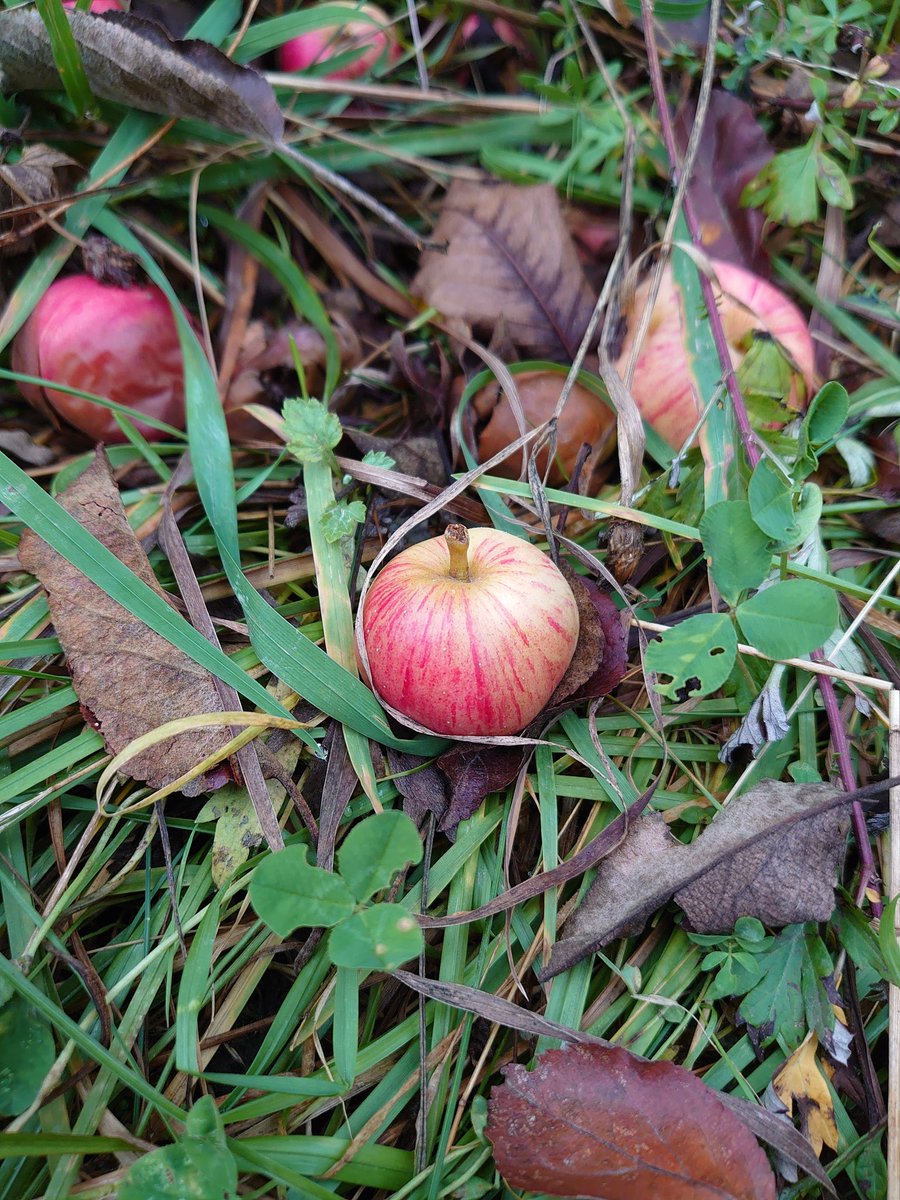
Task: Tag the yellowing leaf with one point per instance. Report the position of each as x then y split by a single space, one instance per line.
802 1078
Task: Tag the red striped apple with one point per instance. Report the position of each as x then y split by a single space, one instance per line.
119 343
469 634
662 385
366 29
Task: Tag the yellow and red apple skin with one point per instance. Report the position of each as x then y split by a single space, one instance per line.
470 658
662 384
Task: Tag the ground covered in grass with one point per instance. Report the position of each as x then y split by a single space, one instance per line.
615 281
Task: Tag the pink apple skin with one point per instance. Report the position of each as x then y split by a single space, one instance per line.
470 658
119 343
662 381
319 45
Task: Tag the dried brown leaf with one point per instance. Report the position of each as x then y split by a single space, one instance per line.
509 257
601 654
473 772
768 854
596 1121
41 174
129 680
134 62
733 150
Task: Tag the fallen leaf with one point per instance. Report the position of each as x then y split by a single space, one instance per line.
39 175
802 1081
135 63
761 856
129 680
733 150
594 1121
238 830
601 653
420 783
473 772
420 456
509 258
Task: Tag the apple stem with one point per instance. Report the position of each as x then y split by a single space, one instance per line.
457 539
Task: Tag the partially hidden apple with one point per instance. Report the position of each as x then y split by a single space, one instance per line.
585 420
469 634
662 384
366 29
118 343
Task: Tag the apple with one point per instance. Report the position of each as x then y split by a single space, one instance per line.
117 342
662 384
367 28
584 419
469 634
99 6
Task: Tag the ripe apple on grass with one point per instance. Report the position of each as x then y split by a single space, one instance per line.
367 28
662 386
117 342
469 634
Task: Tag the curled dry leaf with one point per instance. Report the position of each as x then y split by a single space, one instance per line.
135 63
601 654
473 772
41 174
129 680
596 1121
508 253
769 854
802 1081
266 354
733 150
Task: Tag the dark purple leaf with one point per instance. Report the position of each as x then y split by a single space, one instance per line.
733 150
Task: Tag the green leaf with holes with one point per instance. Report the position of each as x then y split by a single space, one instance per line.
380 938
694 658
739 553
789 619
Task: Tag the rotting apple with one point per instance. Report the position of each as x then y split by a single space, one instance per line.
367 28
585 420
118 343
469 634
662 384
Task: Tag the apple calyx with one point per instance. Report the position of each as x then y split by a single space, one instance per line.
457 539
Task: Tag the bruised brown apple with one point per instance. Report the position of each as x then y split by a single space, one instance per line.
585 420
662 385
469 634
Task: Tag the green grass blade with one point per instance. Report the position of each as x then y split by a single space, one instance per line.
66 55
303 298
61 531
192 990
289 655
